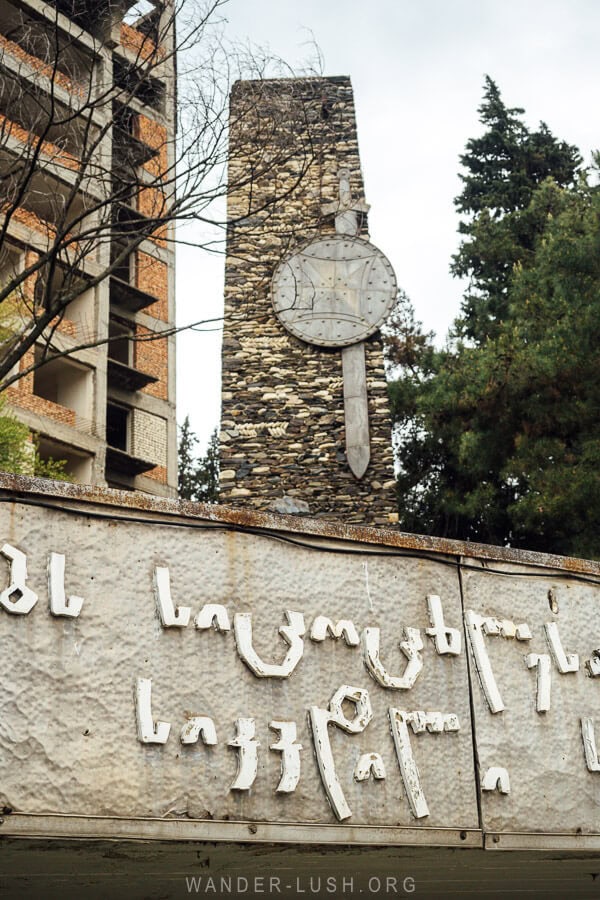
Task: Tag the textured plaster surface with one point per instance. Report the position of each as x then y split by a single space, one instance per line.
551 788
67 725
68 742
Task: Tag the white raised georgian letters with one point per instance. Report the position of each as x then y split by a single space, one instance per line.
565 662
410 648
213 615
291 633
447 640
589 745
198 727
247 746
149 731
170 616
593 664
420 721
496 779
59 604
477 626
17 598
320 719
544 679
369 764
290 755
323 627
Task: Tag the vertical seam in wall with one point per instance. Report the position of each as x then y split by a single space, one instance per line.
471 704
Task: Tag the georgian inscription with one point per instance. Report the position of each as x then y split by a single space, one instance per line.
17 598
345 713
420 722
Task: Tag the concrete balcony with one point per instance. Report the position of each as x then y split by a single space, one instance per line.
124 463
127 378
129 297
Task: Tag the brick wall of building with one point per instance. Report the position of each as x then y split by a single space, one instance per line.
151 203
39 405
158 473
52 151
154 135
151 200
282 426
152 276
138 44
151 356
149 437
21 395
50 72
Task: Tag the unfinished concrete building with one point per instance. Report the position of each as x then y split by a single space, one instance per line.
86 137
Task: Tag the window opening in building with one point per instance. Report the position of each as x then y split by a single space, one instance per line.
78 466
66 383
10 264
117 418
143 87
119 346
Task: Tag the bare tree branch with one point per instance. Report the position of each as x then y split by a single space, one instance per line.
87 179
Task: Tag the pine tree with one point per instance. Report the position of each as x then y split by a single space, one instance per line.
198 476
503 168
209 465
504 445
499 433
552 402
187 461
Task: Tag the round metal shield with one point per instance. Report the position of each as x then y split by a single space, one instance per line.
335 291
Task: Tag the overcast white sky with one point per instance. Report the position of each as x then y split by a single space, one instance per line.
417 69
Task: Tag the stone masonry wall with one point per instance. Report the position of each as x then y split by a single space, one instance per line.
282 427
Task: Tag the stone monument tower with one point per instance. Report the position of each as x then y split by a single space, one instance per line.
304 406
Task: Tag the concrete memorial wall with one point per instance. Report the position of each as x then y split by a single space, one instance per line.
179 671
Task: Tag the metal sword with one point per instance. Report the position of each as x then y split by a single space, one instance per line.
354 373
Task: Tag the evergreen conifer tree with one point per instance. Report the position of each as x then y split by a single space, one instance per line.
499 432
503 167
198 476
